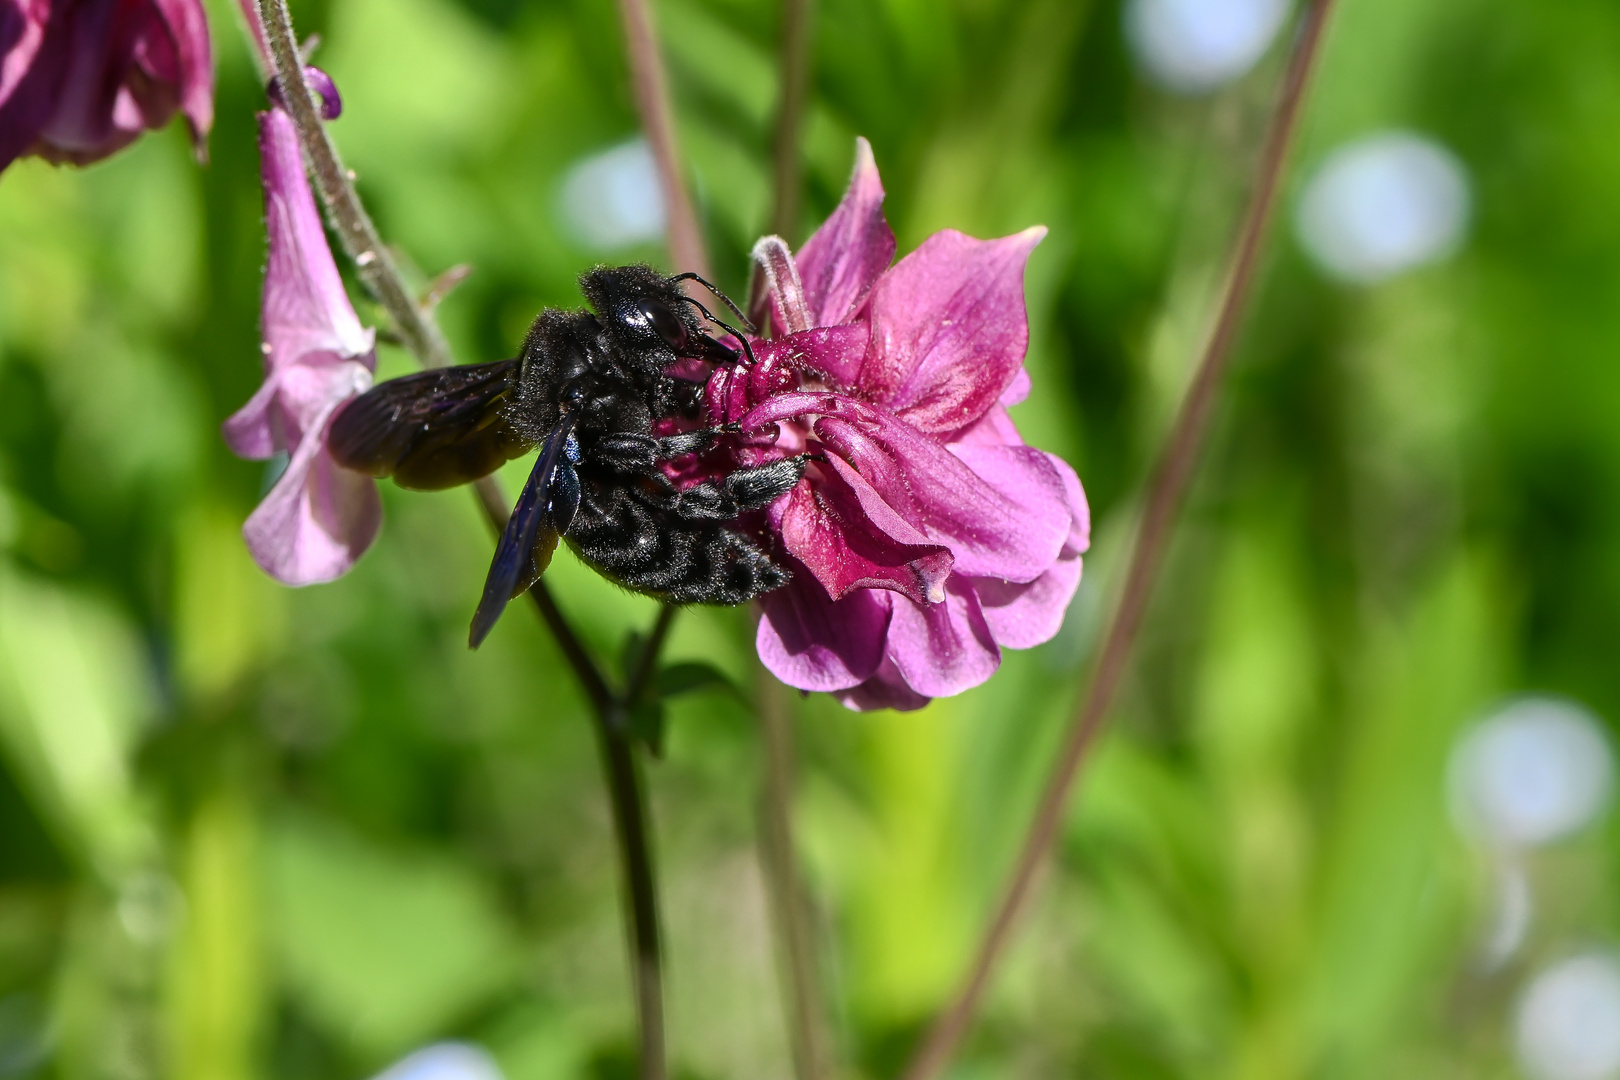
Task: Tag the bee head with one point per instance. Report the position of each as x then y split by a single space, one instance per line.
642 309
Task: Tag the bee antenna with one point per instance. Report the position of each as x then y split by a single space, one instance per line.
722 297
733 332
727 327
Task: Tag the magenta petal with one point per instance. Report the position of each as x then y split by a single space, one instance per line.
844 258
994 428
834 351
886 689
188 29
849 538
943 649
317 520
949 329
97 38
1023 615
305 308
813 642
1000 510
30 70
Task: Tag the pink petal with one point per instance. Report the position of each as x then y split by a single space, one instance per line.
813 642
317 520
949 330
1024 615
848 538
886 689
1016 532
30 70
305 308
291 402
844 258
188 28
1017 390
943 649
1079 538
247 430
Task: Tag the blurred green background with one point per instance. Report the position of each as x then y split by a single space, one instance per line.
250 832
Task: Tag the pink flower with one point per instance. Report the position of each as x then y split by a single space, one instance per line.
925 536
81 79
318 518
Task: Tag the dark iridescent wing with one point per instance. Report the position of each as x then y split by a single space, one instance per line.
431 430
543 513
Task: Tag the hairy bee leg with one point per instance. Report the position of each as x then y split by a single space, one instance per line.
688 442
745 489
626 452
631 453
760 486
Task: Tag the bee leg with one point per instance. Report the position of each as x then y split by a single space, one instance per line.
745 489
626 453
761 485
687 442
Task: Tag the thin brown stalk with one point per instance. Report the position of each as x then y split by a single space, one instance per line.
651 87
793 925
1165 496
647 662
420 334
809 1033
793 95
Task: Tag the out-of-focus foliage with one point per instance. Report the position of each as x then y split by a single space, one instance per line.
251 832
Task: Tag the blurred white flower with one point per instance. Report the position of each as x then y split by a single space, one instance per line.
1384 204
1193 46
1538 769
1568 1026
1515 907
612 200
444 1061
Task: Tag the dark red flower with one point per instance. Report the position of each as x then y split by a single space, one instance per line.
925 535
80 79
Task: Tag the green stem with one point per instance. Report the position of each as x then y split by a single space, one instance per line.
809 1032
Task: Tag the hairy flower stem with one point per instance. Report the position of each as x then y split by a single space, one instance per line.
651 87
421 336
373 260
1165 496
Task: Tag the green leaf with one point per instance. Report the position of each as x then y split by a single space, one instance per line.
648 723
681 678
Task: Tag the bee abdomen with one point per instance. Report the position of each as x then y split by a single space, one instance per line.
684 562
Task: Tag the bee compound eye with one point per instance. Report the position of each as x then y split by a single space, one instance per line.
663 321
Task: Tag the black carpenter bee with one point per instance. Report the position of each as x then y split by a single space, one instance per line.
587 389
